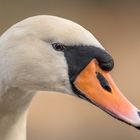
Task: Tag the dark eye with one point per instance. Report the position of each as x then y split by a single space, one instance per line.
58 46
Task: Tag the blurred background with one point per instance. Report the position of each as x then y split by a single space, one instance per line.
116 24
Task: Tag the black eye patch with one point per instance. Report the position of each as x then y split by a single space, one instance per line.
103 82
78 57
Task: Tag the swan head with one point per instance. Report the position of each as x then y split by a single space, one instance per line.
55 54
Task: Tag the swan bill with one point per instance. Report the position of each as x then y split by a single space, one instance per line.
97 86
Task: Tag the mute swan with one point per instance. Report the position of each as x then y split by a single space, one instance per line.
54 54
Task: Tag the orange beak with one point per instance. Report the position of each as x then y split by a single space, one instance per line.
98 87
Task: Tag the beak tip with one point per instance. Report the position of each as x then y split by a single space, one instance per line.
138 127
139 114
137 123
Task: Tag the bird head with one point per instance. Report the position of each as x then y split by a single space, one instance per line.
56 54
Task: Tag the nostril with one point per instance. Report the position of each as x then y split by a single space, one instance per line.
103 82
139 113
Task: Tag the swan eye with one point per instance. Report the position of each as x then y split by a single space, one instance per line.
58 46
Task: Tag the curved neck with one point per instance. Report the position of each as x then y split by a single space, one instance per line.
13 113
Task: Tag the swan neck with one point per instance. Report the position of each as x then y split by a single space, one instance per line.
14 106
